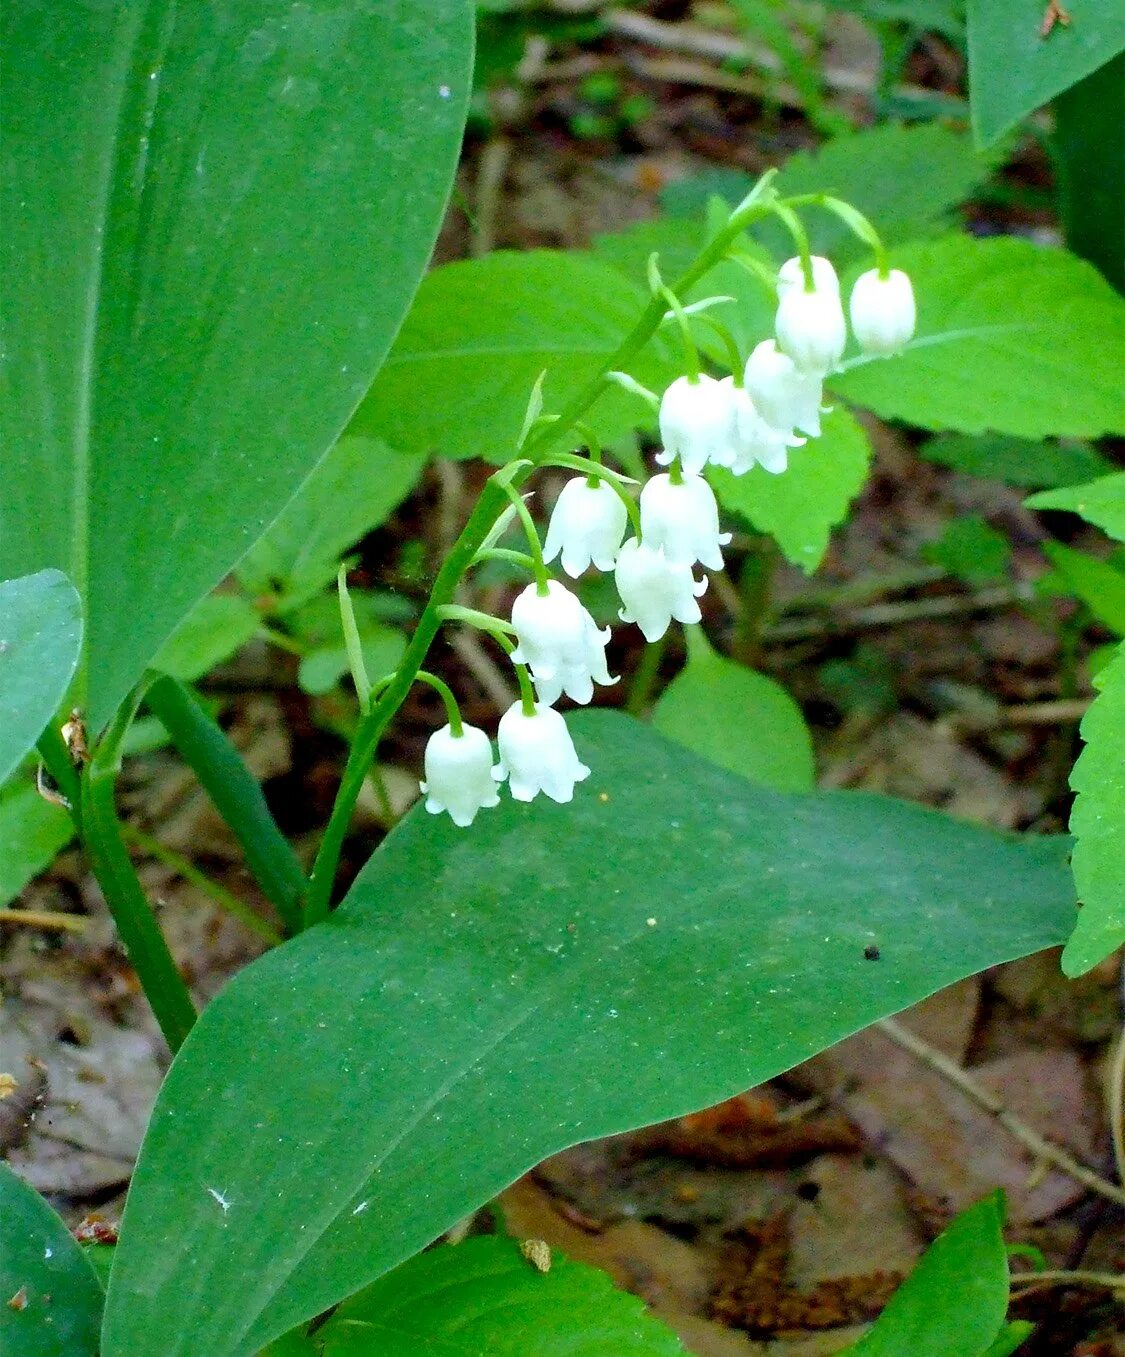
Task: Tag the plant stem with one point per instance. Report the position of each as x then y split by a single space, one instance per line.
640 690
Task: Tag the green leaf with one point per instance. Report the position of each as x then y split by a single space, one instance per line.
321 669
354 489
215 628
971 549
955 1301
483 1297
504 978
239 200
1097 822
32 831
1016 461
479 334
57 1300
1011 337
1095 582
40 637
1101 502
736 718
1014 68
800 507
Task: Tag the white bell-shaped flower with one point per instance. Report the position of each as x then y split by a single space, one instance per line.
756 443
654 591
560 643
537 754
683 521
811 329
883 312
791 274
695 423
784 397
587 526
459 774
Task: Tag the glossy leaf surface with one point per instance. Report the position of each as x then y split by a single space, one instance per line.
504 978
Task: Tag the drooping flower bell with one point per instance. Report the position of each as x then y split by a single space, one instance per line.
560 643
459 774
654 591
883 312
810 326
587 526
825 277
683 521
537 754
695 423
755 442
784 397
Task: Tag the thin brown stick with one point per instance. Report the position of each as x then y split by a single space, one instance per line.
1116 1095
984 1098
43 918
1030 1281
895 614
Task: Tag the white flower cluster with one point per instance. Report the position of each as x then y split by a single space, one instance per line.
775 405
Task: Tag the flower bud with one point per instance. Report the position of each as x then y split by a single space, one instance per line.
537 754
791 275
683 521
459 774
883 312
560 643
587 526
811 329
785 398
695 424
654 591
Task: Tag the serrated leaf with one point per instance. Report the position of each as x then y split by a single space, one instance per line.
1016 461
1097 822
215 628
353 490
479 334
1012 337
482 1298
1101 502
739 719
1097 583
800 507
955 1301
214 216
50 1300
1015 67
40 639
32 831
505 978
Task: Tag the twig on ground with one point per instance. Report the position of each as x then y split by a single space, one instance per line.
1055 713
984 1098
895 614
1031 1281
43 918
1116 1095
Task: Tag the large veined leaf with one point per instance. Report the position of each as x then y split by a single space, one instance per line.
954 1302
484 1297
1011 337
32 831
214 219
1015 66
40 636
484 998
50 1300
800 508
1098 825
479 334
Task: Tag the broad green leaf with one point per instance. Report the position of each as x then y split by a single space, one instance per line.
215 216
800 507
353 490
1015 68
479 334
322 668
1101 502
737 718
555 974
50 1300
955 1301
1097 583
971 549
40 638
32 831
482 1298
215 628
1011 337
1097 822
1016 461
